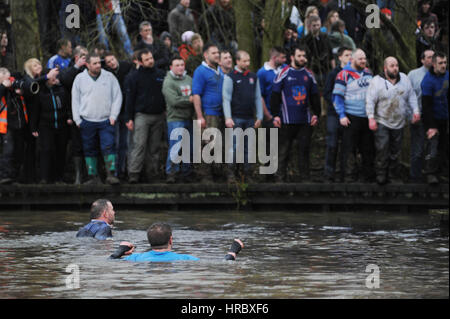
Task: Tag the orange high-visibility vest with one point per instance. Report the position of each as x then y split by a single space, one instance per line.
4 114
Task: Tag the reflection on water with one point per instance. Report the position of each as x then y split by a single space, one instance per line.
287 255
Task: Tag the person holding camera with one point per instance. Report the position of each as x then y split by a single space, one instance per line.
13 126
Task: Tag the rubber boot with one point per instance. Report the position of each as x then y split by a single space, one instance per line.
431 167
91 165
77 164
110 167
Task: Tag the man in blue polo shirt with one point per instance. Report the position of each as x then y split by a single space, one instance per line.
295 89
207 92
102 219
435 118
159 236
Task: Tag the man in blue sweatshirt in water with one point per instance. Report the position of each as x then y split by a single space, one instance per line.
160 238
102 219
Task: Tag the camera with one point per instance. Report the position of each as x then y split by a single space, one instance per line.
29 87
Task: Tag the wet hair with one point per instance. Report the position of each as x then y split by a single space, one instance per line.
158 235
98 207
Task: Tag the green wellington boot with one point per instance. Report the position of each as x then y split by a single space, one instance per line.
110 166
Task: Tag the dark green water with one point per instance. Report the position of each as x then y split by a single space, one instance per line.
287 255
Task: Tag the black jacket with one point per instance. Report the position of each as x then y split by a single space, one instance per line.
328 89
15 108
121 73
144 92
159 51
51 108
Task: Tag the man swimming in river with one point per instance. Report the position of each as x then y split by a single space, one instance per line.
102 219
161 241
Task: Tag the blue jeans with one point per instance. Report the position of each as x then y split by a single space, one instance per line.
175 147
91 132
243 124
119 25
417 133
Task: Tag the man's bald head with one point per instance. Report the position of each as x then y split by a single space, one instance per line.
359 60
390 60
391 68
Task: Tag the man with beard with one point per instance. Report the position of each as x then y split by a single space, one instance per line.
295 90
207 91
388 99
145 108
102 219
349 98
96 103
435 118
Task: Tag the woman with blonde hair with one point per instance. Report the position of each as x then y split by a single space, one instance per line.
33 71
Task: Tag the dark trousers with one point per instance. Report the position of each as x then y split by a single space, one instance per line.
122 138
358 138
13 151
288 133
388 145
334 136
436 151
417 133
53 145
77 144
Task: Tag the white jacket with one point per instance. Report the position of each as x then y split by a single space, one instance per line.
388 104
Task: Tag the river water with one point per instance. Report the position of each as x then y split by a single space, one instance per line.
286 255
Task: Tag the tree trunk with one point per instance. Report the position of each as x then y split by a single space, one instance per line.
26 31
245 29
274 20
